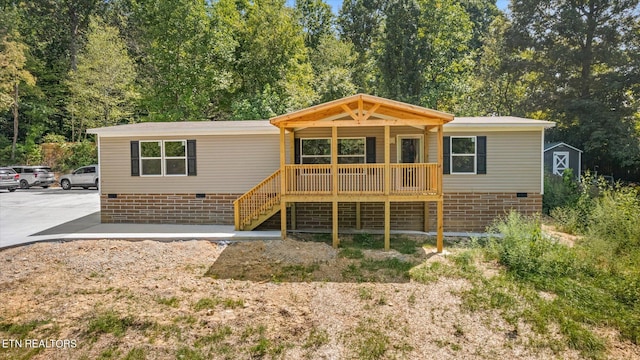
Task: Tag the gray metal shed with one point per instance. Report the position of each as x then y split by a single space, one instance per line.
559 156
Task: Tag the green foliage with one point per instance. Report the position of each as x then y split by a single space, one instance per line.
595 281
559 191
79 154
578 69
424 53
110 322
102 86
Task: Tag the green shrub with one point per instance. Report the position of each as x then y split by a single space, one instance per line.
518 243
559 191
79 154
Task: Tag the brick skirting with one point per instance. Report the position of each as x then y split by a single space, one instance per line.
212 209
462 211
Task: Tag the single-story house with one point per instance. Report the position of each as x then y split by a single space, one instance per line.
559 156
361 162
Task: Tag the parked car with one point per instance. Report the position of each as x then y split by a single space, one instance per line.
85 177
35 176
9 179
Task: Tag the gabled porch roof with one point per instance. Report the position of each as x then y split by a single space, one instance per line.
362 110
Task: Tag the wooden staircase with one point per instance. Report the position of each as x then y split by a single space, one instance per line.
258 204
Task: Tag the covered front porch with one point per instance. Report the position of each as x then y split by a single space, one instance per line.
328 154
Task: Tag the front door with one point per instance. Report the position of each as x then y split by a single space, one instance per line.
409 152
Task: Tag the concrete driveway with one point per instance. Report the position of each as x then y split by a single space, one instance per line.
24 213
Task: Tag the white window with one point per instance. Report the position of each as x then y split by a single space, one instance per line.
315 151
158 158
318 151
463 154
352 151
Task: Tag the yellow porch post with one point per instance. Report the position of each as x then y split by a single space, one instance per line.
426 160
334 185
283 186
439 239
292 160
387 188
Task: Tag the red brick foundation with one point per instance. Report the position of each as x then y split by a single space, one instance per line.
463 212
212 209
471 212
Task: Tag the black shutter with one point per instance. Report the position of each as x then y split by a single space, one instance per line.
135 158
191 158
371 150
296 150
446 156
482 155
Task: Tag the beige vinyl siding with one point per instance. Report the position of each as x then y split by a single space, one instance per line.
365 131
513 163
225 164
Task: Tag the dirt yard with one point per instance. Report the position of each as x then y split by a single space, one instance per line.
272 299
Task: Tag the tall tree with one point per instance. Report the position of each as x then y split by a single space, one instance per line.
582 65
102 91
360 23
272 61
12 74
424 55
333 68
497 87
316 19
187 58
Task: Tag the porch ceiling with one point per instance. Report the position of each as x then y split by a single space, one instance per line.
362 110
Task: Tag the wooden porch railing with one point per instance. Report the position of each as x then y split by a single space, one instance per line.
258 200
406 179
258 203
414 178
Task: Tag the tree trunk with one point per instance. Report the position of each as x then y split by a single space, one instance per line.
15 121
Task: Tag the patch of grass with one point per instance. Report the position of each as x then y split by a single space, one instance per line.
317 338
370 341
229 303
589 289
170 301
206 303
110 322
22 330
185 319
323 237
297 272
365 293
367 241
351 253
393 265
403 245
135 354
186 353
216 336
110 353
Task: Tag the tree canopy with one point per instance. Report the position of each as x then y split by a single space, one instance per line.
88 63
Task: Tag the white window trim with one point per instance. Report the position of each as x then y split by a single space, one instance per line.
302 155
143 158
163 158
364 154
475 155
399 147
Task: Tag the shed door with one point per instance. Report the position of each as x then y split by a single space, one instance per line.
560 162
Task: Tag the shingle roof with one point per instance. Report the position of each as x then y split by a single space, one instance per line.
184 128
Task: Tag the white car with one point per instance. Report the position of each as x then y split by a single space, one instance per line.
85 177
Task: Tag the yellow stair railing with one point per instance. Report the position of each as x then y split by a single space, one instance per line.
258 204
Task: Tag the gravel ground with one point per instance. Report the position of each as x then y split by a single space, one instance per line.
171 309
